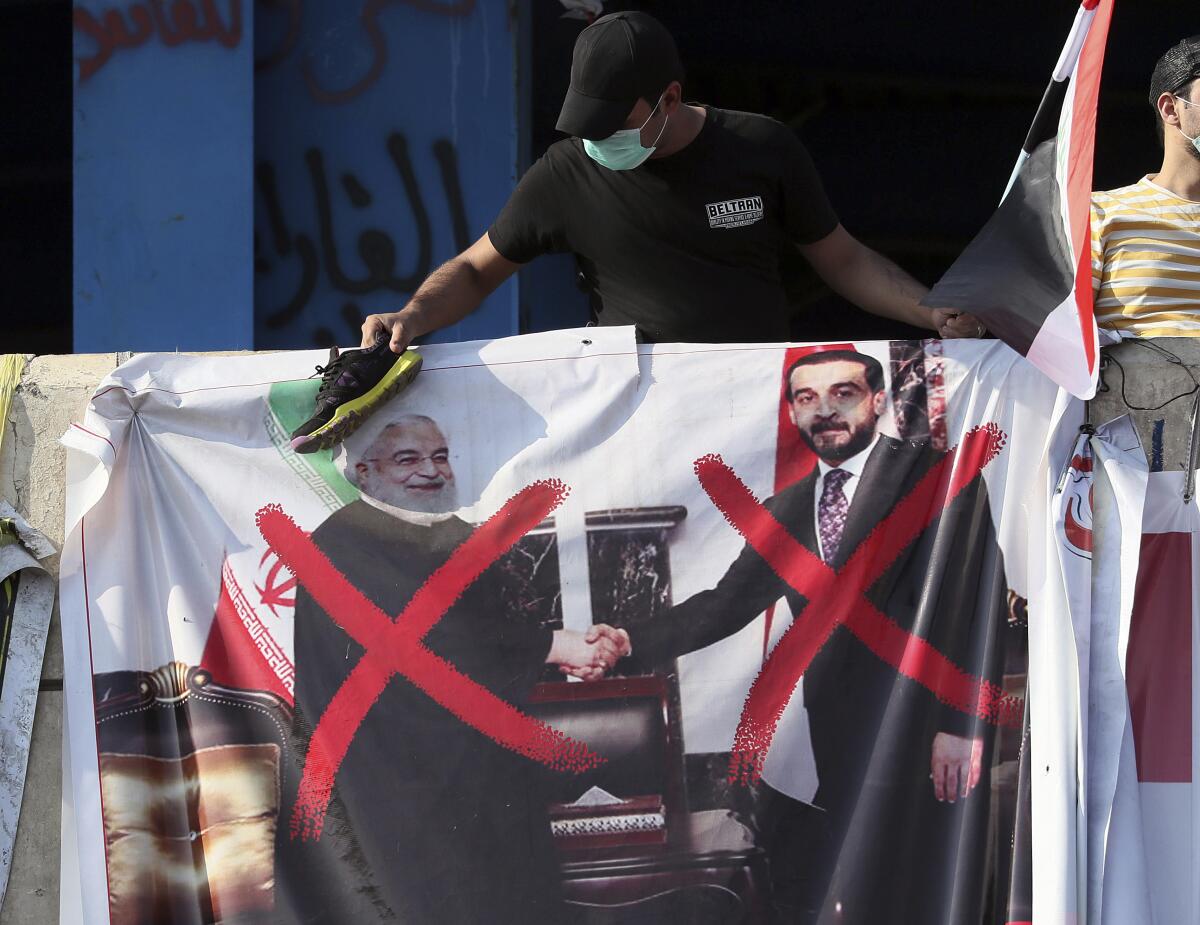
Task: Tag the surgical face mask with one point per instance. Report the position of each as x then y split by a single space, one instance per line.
624 150
1195 141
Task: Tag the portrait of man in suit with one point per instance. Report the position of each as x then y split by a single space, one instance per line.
902 778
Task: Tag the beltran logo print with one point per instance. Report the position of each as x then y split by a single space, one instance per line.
735 213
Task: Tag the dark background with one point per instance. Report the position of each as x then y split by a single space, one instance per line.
914 113
35 176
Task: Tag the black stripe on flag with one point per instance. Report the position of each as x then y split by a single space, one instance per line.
1019 268
1045 123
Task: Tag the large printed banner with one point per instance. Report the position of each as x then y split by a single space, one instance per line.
345 687
1129 597
1150 854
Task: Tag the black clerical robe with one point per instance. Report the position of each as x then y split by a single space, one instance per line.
430 821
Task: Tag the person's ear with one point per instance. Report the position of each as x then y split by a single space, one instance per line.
880 402
1168 108
672 97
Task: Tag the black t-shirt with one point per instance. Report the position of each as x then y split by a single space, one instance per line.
685 247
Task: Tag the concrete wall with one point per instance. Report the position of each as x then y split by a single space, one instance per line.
55 390
1140 379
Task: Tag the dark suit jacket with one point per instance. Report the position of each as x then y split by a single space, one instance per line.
431 821
948 587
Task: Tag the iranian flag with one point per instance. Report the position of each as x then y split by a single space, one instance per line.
1027 274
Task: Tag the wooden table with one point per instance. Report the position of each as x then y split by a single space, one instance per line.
709 862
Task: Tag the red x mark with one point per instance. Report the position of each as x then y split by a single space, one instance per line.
393 646
839 599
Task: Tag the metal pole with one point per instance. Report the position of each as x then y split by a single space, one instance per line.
1193 454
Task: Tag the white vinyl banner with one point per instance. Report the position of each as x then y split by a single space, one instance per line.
1158 829
334 687
1098 516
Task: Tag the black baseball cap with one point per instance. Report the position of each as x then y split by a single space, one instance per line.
1178 66
618 59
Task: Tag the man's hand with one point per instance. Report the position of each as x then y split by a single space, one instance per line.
617 639
951 323
957 764
389 325
588 656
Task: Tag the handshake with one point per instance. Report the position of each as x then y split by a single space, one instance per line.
588 655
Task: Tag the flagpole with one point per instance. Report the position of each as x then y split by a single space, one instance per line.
1050 108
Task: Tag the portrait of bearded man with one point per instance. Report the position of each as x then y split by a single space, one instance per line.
903 782
430 820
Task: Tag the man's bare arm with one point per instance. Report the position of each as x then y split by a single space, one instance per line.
874 283
449 294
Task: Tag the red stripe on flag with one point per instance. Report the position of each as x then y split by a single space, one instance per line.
1079 170
1159 661
232 656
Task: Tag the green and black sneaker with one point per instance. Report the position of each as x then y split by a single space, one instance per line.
354 384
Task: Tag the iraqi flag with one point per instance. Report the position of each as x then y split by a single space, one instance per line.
1027 274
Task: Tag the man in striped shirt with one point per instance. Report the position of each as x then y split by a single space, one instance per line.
1146 237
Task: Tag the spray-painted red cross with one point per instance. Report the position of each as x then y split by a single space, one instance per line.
394 646
836 598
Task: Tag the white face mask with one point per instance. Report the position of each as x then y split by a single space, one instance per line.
1195 141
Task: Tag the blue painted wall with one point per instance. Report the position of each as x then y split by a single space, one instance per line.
264 174
385 142
163 222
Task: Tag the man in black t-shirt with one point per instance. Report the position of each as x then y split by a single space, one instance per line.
677 213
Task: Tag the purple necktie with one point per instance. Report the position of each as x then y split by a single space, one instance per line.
831 512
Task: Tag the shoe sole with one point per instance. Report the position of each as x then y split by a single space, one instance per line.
350 416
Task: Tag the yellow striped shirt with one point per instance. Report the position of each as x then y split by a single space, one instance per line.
1146 261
